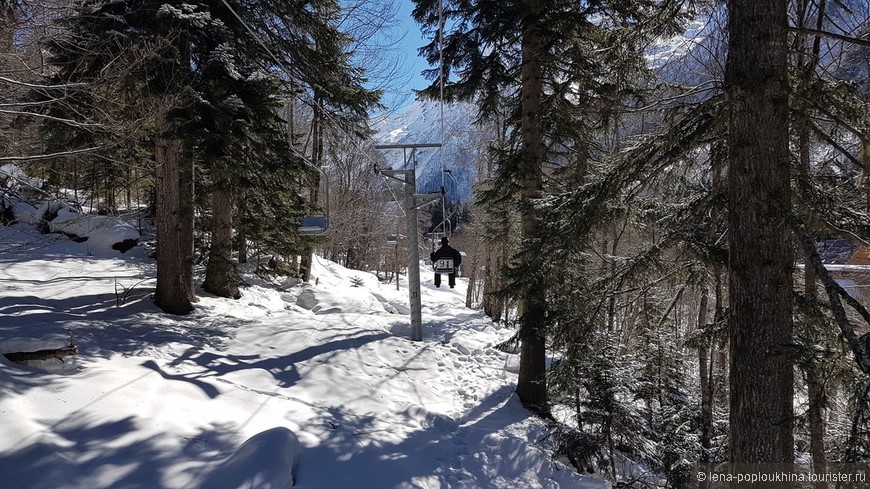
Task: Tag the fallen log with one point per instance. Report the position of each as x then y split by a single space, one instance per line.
47 354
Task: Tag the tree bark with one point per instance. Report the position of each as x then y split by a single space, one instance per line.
532 382
187 207
174 285
220 278
241 236
493 306
761 257
706 378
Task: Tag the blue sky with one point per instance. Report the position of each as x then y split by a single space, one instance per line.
412 65
412 41
404 38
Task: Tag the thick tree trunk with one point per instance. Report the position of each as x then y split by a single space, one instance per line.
174 284
219 272
532 382
761 257
187 207
493 306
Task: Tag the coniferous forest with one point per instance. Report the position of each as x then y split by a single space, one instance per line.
665 202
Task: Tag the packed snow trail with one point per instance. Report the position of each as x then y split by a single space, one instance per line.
323 377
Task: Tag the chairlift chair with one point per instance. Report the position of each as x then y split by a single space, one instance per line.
314 225
435 238
317 224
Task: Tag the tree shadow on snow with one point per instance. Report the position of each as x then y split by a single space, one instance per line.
121 326
357 448
284 368
81 453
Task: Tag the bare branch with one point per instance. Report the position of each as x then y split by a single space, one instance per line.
20 83
69 122
832 35
53 155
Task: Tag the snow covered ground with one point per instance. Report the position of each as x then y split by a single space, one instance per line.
316 385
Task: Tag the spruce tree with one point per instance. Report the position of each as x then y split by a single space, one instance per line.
539 60
210 84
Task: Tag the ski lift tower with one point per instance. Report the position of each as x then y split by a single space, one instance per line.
412 202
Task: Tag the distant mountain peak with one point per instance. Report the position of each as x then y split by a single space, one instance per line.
455 163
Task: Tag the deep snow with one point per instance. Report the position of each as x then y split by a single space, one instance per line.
316 384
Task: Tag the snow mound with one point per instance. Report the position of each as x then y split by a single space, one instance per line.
28 213
104 235
267 460
338 289
102 232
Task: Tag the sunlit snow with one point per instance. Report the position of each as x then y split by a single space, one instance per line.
317 385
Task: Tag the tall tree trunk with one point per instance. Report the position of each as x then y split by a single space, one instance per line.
761 256
174 286
493 305
241 235
710 352
219 272
808 61
472 275
307 258
532 382
706 378
187 207
815 384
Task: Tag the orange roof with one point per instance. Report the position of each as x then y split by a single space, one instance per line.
861 256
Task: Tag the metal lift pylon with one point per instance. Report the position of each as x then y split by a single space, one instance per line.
411 202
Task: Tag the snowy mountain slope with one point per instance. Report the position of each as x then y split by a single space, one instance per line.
681 59
463 145
322 377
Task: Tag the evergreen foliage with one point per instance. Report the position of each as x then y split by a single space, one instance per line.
222 80
553 71
614 224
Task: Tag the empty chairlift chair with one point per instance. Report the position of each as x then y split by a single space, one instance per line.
314 225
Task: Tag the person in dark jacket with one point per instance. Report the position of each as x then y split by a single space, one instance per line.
443 259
